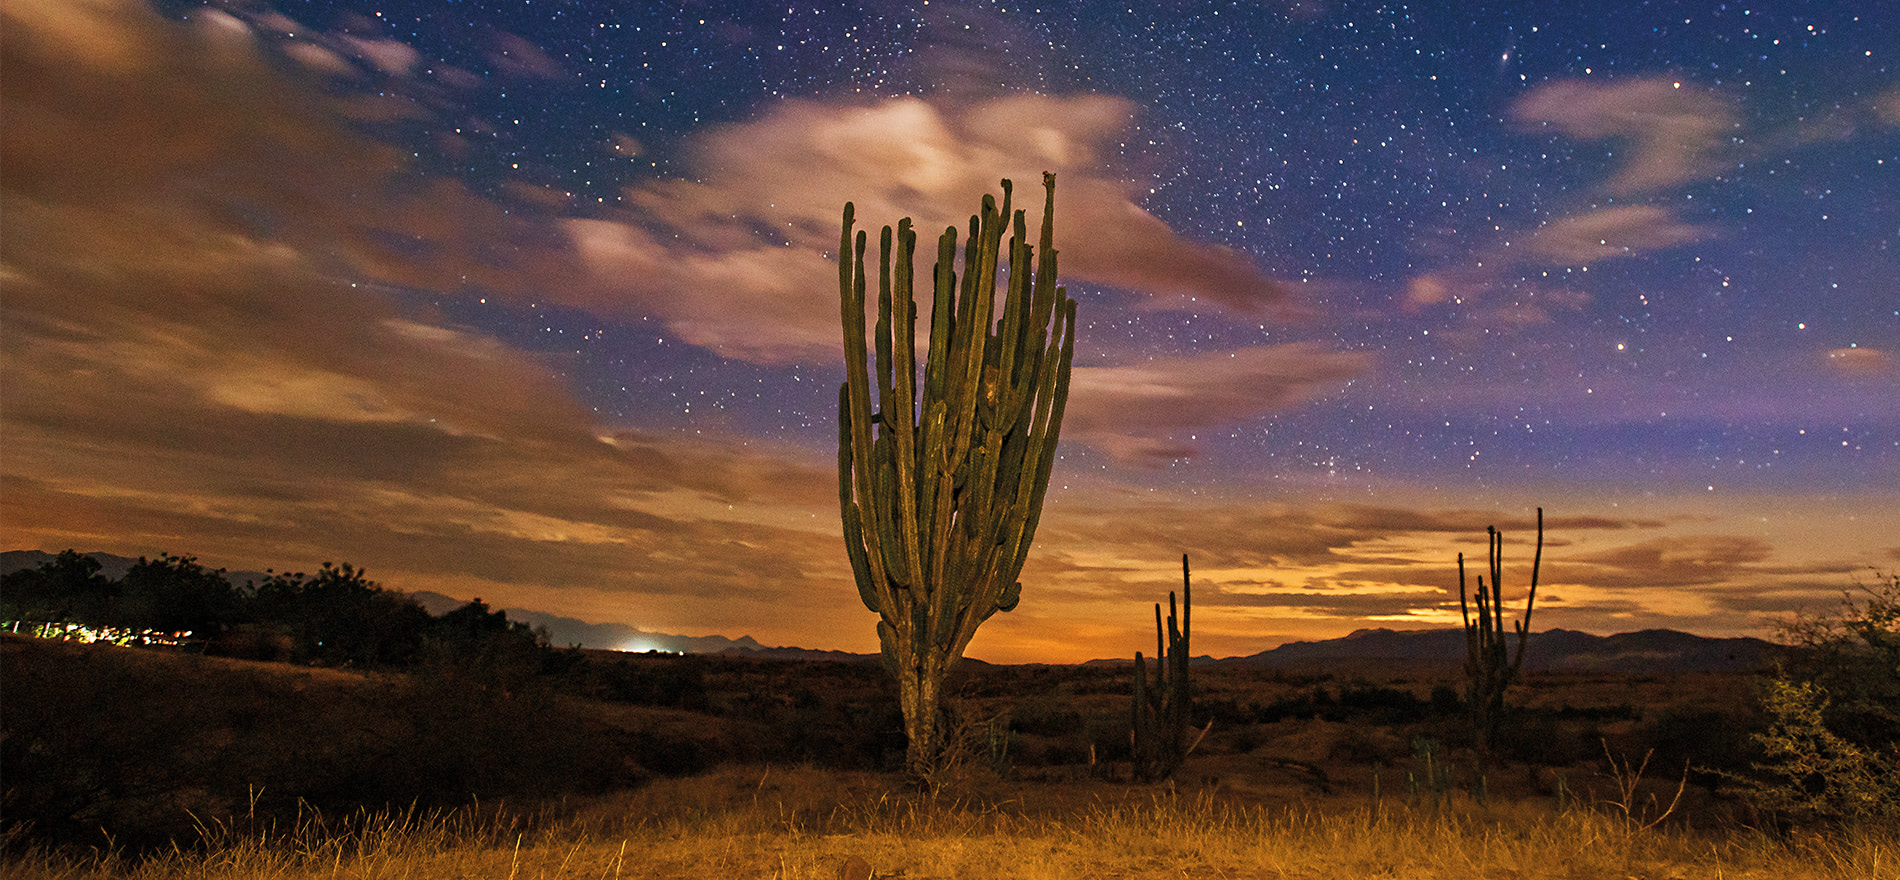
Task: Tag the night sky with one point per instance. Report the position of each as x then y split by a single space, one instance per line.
536 301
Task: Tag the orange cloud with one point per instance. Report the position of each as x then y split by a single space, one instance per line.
1860 362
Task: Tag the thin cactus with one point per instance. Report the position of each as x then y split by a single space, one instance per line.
940 491
1489 666
1159 734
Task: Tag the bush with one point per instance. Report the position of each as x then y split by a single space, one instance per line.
1832 747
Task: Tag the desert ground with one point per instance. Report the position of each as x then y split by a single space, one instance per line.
158 764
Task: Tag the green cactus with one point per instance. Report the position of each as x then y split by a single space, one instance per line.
940 492
1489 669
1159 740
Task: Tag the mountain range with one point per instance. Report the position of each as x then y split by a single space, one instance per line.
1657 651
1559 650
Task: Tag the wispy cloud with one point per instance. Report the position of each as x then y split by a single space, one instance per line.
1147 413
1608 233
1676 131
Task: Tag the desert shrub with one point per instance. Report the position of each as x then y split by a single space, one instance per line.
1356 701
1707 741
674 682
1548 739
1381 705
1229 713
1618 712
1832 746
1446 701
1048 716
1108 734
1362 745
1809 771
669 755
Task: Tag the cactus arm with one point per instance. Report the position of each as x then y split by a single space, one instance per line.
1047 426
855 400
1530 602
848 509
900 419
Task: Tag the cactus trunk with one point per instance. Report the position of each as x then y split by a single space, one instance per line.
940 489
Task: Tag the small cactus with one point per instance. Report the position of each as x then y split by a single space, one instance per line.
1159 736
1489 668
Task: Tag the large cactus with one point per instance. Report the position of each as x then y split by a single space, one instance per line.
1489 669
940 492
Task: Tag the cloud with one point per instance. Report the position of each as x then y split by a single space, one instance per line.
1677 132
392 57
1623 231
1860 362
1565 241
1678 562
1137 413
1231 534
201 357
514 55
739 258
213 145
101 36
1886 106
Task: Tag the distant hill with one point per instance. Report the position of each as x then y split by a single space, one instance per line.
565 632
1646 651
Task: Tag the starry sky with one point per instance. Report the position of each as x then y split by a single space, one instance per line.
536 301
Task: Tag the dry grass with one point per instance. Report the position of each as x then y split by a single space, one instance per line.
800 823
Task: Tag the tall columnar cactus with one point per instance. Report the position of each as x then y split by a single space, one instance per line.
1489 667
1159 738
940 492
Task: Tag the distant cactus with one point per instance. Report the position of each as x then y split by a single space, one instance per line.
940 493
1488 672
1160 724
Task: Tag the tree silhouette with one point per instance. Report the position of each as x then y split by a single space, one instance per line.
68 589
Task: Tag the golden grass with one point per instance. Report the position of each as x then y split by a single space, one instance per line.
799 823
